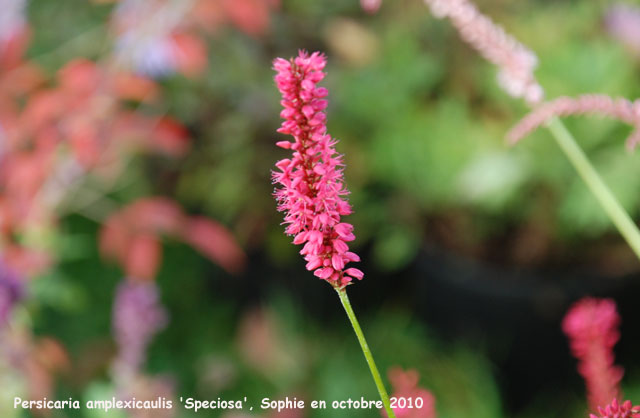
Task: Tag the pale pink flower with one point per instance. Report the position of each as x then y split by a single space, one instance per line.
370 6
311 182
588 104
405 385
616 410
592 327
12 19
623 23
516 63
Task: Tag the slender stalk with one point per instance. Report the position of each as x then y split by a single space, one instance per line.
342 293
600 190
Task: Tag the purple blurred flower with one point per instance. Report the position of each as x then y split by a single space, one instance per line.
137 316
623 23
11 291
152 56
145 35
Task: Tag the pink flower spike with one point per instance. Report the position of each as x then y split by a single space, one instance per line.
587 104
615 410
592 327
311 190
515 62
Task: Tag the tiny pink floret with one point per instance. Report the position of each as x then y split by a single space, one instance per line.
311 189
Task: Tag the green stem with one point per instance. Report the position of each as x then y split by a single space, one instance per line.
342 293
600 190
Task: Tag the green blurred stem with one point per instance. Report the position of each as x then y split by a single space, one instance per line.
600 190
342 293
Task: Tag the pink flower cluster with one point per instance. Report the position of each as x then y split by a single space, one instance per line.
311 183
616 410
586 104
592 327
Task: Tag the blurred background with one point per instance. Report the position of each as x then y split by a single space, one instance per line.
136 145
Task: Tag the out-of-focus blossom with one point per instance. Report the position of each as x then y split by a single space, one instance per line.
36 360
370 6
355 43
45 358
288 412
137 316
616 410
311 183
215 242
217 373
132 236
623 23
28 261
65 132
405 385
237 415
258 339
159 37
11 291
261 343
592 327
12 20
516 63
156 390
591 104
152 40
250 16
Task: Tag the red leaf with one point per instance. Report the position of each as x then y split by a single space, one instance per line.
216 242
13 49
143 257
44 107
250 16
28 261
133 87
170 137
155 215
191 52
80 76
84 143
114 238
